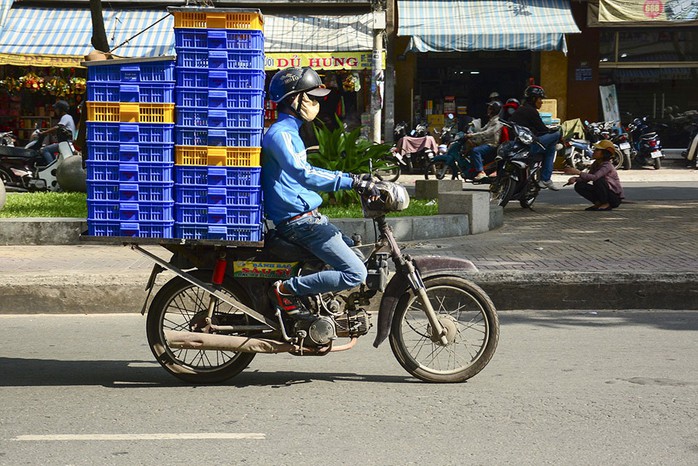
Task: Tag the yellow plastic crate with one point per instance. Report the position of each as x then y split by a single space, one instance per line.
218 156
123 112
217 20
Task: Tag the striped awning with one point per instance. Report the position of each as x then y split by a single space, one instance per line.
318 33
62 37
467 25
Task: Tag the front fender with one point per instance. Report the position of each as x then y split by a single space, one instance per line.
427 266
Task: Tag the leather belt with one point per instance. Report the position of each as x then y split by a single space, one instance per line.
296 217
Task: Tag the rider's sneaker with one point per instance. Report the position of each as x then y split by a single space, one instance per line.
548 184
290 305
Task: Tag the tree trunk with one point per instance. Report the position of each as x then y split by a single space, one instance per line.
99 35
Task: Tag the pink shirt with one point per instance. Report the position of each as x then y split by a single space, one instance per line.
605 170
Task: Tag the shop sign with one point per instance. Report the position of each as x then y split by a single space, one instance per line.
643 11
321 60
58 61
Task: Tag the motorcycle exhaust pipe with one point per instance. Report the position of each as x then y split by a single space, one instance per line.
210 341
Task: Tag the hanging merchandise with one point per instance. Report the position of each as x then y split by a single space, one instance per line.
58 82
352 83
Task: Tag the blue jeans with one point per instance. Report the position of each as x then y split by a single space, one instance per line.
48 151
325 241
549 141
481 153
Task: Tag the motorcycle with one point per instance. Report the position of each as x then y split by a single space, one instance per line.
414 151
646 147
578 152
24 169
207 324
518 172
456 162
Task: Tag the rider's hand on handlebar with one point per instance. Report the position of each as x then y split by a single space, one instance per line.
364 185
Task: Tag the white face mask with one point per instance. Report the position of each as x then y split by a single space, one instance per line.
309 107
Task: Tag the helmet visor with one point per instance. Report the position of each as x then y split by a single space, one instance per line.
318 92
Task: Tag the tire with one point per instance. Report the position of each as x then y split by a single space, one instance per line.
530 196
470 319
5 177
3 195
618 160
439 169
657 163
174 307
389 171
508 190
627 162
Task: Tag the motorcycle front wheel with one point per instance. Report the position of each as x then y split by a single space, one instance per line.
182 306
389 170
508 188
472 329
439 169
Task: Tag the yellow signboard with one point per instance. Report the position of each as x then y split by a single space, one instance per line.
321 60
59 61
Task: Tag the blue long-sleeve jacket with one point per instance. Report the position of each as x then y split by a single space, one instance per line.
289 182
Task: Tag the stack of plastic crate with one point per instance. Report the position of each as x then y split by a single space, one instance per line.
130 147
220 116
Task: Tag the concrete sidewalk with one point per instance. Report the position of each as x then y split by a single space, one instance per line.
640 256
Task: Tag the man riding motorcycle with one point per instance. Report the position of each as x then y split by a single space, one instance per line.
527 115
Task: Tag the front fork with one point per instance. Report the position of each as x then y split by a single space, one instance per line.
405 263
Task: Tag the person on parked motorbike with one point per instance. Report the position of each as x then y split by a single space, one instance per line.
508 109
527 115
601 185
289 185
486 141
65 123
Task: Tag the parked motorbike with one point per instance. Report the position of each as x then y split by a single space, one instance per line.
646 147
24 169
518 172
456 162
208 323
580 155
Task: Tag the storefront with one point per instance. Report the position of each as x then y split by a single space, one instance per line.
40 64
648 52
32 53
458 52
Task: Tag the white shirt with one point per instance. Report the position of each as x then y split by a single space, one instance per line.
67 121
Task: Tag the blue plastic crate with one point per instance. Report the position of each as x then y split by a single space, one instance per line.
219 196
158 71
203 78
130 172
189 175
221 232
131 211
132 229
217 215
156 92
217 118
219 98
133 192
134 153
225 39
220 59
130 132
192 136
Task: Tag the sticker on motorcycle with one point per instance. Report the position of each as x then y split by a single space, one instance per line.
251 269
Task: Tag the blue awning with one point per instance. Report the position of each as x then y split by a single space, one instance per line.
54 32
467 25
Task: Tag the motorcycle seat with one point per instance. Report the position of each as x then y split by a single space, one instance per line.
649 135
18 152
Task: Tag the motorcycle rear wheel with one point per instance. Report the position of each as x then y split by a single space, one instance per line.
175 307
657 163
389 170
472 326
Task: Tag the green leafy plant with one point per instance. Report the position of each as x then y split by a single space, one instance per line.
348 152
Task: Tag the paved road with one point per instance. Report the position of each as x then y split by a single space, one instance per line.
563 388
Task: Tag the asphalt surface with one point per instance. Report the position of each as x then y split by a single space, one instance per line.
643 255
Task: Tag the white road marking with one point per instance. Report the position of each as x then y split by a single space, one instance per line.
118 437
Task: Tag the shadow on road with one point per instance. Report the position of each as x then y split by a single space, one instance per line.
20 372
666 320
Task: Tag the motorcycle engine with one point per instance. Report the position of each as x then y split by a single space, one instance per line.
321 331
353 323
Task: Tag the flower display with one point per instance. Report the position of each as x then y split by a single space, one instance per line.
58 82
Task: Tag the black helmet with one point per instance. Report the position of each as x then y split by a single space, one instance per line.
62 105
533 92
495 105
291 81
